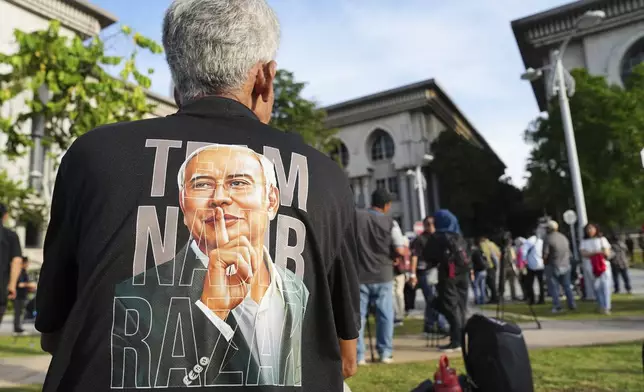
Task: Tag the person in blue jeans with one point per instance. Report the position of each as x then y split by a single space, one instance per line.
426 279
556 257
479 268
379 241
593 246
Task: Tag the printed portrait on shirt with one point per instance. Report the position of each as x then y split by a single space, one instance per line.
221 312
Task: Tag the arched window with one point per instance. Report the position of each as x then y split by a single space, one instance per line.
340 154
633 57
382 146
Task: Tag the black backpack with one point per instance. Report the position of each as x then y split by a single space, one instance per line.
496 356
456 254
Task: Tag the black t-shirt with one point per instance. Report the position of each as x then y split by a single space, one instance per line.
21 292
479 262
417 248
235 269
9 249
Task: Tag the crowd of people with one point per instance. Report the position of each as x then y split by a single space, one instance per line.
444 266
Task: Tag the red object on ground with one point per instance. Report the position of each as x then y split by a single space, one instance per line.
445 378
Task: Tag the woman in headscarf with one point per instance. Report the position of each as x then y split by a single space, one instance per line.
446 249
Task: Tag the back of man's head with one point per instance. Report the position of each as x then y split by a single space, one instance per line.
380 198
212 45
552 226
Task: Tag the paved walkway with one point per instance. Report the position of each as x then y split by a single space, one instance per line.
16 371
554 333
413 348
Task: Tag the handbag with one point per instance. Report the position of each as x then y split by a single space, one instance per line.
598 263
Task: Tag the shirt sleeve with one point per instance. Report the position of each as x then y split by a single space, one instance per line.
15 250
605 244
345 286
56 293
397 236
416 248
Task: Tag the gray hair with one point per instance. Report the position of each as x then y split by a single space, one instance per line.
211 45
267 166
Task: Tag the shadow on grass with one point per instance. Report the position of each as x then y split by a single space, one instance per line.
622 306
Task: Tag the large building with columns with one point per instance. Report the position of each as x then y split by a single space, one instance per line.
610 48
77 17
386 139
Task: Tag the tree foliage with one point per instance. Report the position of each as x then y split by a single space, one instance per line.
294 113
82 94
472 187
22 202
608 122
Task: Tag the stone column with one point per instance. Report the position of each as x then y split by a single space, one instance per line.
365 191
413 200
404 201
357 191
355 186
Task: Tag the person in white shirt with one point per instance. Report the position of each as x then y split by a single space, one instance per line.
533 251
597 279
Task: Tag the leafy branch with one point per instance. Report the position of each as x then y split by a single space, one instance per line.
80 93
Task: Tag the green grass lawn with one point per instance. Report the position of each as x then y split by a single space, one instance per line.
638 260
24 345
23 388
623 305
608 368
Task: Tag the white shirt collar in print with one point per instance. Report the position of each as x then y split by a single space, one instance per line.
276 279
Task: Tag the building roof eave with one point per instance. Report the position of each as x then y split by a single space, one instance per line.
105 18
578 5
416 96
79 16
537 34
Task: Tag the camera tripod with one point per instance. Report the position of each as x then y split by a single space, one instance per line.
500 306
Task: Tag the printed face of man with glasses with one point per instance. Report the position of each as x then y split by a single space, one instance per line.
228 195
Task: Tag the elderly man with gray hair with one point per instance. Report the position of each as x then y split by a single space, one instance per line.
556 257
242 275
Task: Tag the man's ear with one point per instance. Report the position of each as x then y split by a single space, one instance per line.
273 202
270 70
264 79
182 195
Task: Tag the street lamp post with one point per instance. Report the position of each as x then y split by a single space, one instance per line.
558 85
571 147
37 161
421 184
